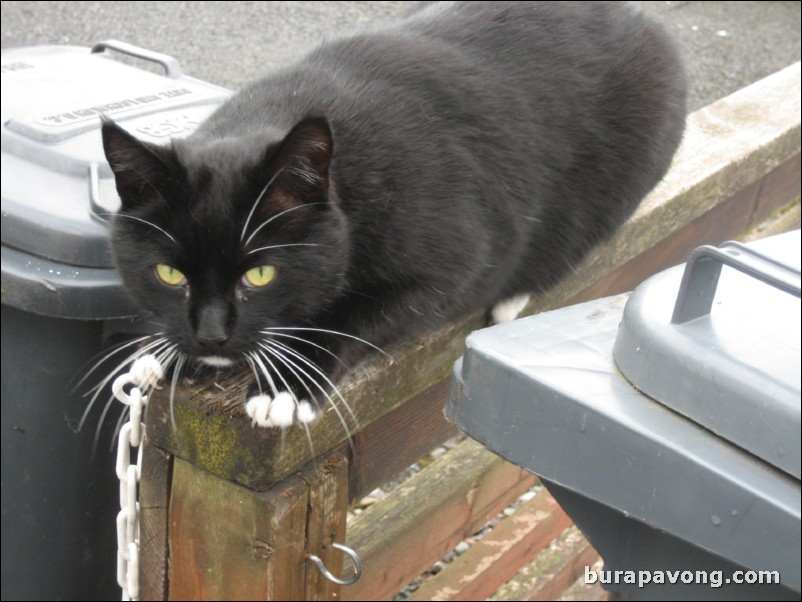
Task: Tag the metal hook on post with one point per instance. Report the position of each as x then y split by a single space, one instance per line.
325 572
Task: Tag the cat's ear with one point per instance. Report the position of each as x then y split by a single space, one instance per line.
303 159
141 171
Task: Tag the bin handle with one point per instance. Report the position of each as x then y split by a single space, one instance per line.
171 66
700 280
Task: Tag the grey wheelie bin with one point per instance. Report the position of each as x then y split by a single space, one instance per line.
665 422
62 301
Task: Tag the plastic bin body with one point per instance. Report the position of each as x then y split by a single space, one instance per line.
654 487
58 503
63 303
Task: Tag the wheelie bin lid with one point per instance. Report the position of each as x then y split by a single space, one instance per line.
58 191
547 393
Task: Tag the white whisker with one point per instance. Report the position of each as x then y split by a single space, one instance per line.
302 340
291 365
100 422
256 204
165 357
305 386
111 352
260 353
179 364
318 371
138 353
114 350
109 403
266 222
144 221
332 332
98 388
265 350
265 372
286 386
268 248
255 376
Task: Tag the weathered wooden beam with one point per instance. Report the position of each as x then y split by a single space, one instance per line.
387 446
495 558
424 518
552 571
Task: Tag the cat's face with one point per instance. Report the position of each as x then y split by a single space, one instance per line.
224 240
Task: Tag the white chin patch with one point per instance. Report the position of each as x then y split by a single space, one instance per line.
280 411
508 310
216 361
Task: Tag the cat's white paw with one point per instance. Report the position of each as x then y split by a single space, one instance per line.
508 310
306 413
280 411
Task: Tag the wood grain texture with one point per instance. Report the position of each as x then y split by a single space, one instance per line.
327 507
154 500
230 543
494 559
388 446
552 571
424 518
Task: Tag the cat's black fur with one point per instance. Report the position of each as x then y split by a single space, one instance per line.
469 153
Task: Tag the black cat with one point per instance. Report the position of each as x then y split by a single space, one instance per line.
391 182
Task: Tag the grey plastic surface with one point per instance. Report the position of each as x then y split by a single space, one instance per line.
545 393
57 189
734 369
48 288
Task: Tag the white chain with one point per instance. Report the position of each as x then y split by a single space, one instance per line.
145 373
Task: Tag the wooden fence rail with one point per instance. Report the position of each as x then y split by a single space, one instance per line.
230 512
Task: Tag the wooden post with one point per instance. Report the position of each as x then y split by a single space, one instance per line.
154 503
231 543
227 542
325 523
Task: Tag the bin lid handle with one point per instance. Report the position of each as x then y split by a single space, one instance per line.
700 280
171 66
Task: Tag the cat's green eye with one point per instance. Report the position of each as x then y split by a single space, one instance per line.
261 276
169 275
